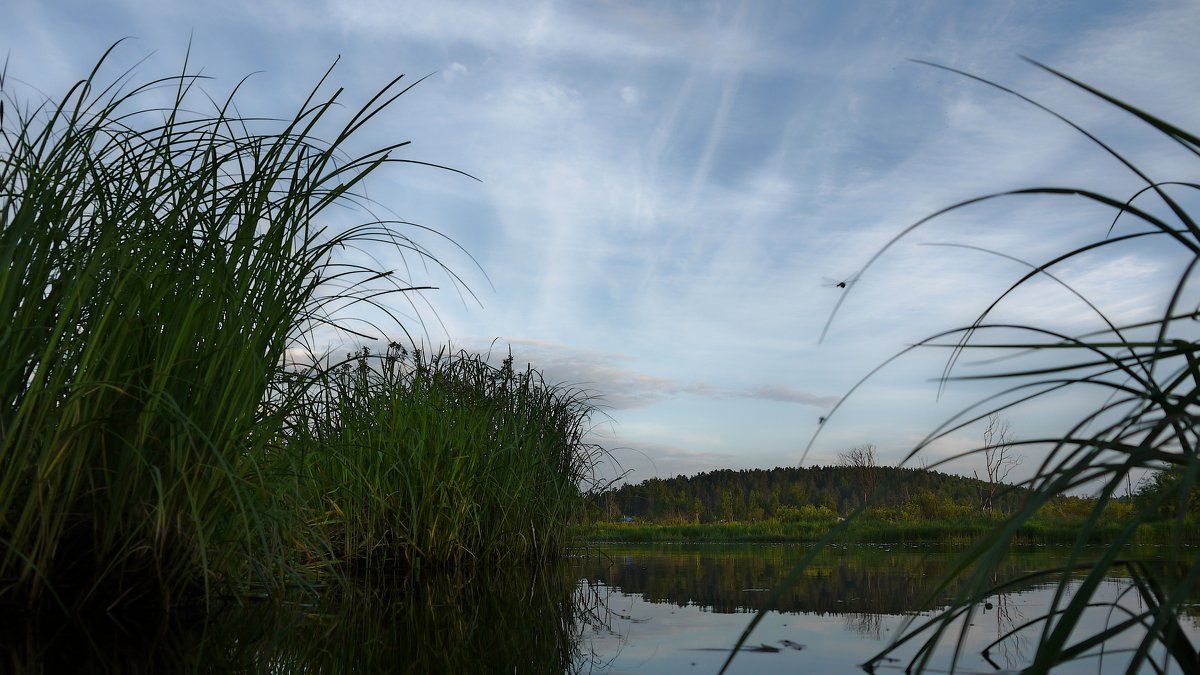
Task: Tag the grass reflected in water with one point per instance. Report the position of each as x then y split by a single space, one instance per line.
649 609
521 620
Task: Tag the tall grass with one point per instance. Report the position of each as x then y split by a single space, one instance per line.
1150 372
155 265
441 460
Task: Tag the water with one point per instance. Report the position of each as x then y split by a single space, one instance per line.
662 609
679 610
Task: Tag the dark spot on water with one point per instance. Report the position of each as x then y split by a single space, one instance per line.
765 648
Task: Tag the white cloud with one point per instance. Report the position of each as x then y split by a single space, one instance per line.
454 71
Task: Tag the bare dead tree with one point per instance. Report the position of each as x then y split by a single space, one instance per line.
999 459
861 458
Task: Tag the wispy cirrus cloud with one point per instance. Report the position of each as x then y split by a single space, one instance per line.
614 32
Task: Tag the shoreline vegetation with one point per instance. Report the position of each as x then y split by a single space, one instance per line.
869 530
907 506
171 433
888 505
873 505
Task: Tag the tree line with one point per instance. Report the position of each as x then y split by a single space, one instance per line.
794 493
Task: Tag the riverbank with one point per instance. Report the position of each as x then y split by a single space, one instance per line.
958 531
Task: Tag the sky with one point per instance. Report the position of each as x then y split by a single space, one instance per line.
666 194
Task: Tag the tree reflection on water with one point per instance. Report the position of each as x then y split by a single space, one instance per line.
866 591
849 580
660 609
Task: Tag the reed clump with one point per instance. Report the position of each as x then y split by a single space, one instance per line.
442 460
157 443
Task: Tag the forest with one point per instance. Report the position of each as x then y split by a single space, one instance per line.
804 493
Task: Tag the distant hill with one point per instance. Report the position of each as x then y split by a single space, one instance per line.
792 492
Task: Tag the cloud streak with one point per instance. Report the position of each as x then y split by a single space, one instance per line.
621 387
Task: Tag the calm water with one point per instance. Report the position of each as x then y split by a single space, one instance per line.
664 609
679 609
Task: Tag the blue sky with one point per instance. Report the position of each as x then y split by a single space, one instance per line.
665 188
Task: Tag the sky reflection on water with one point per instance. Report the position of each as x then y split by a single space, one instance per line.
645 632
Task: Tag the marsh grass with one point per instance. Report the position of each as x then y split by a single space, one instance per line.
442 460
157 267
1149 371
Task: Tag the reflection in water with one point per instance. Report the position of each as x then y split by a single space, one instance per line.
1012 648
859 580
520 621
863 623
649 610
693 602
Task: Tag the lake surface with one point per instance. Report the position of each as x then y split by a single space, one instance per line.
615 609
679 609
